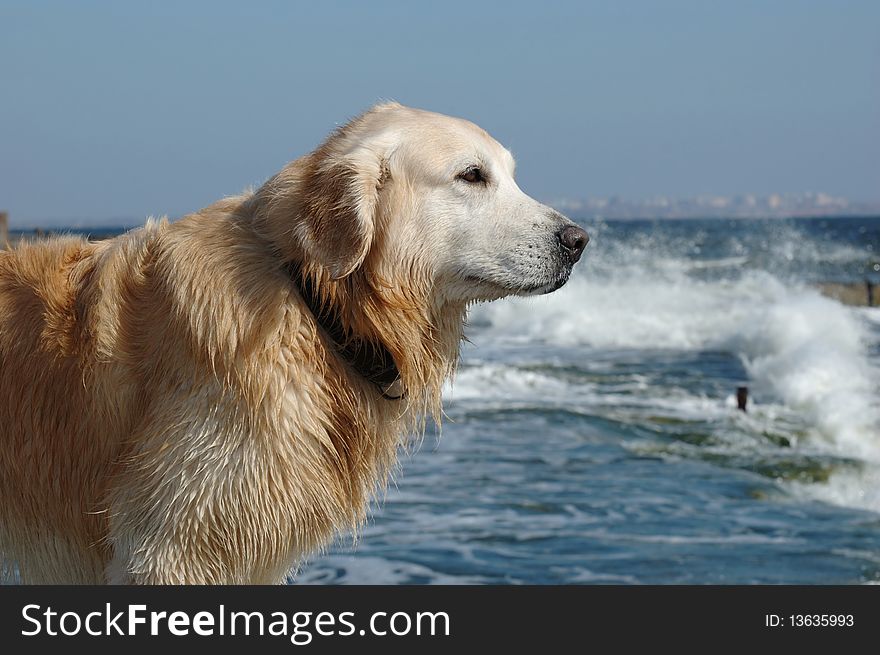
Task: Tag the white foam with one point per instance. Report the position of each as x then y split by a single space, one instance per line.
492 384
859 488
809 353
812 353
498 381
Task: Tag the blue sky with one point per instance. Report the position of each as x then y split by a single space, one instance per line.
115 110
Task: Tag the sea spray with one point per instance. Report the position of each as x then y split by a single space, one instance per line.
806 356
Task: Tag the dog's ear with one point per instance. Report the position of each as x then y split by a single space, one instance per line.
341 197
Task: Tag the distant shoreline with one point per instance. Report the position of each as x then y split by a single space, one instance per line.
80 228
695 217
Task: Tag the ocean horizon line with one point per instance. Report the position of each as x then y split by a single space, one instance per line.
116 224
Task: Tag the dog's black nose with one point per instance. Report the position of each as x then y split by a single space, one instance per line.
574 240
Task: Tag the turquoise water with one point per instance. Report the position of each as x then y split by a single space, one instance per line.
593 437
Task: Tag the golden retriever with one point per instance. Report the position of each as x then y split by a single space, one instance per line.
211 400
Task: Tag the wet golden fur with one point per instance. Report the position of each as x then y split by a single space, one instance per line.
171 412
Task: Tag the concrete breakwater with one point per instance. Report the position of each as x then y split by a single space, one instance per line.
862 294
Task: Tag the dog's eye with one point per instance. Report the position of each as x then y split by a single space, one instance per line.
472 174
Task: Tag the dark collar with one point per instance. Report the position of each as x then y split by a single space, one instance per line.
372 361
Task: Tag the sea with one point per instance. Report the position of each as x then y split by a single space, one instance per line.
592 436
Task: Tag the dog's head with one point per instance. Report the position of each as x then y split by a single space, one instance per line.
404 191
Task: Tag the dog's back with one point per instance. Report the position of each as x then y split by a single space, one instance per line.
57 436
156 381
95 341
